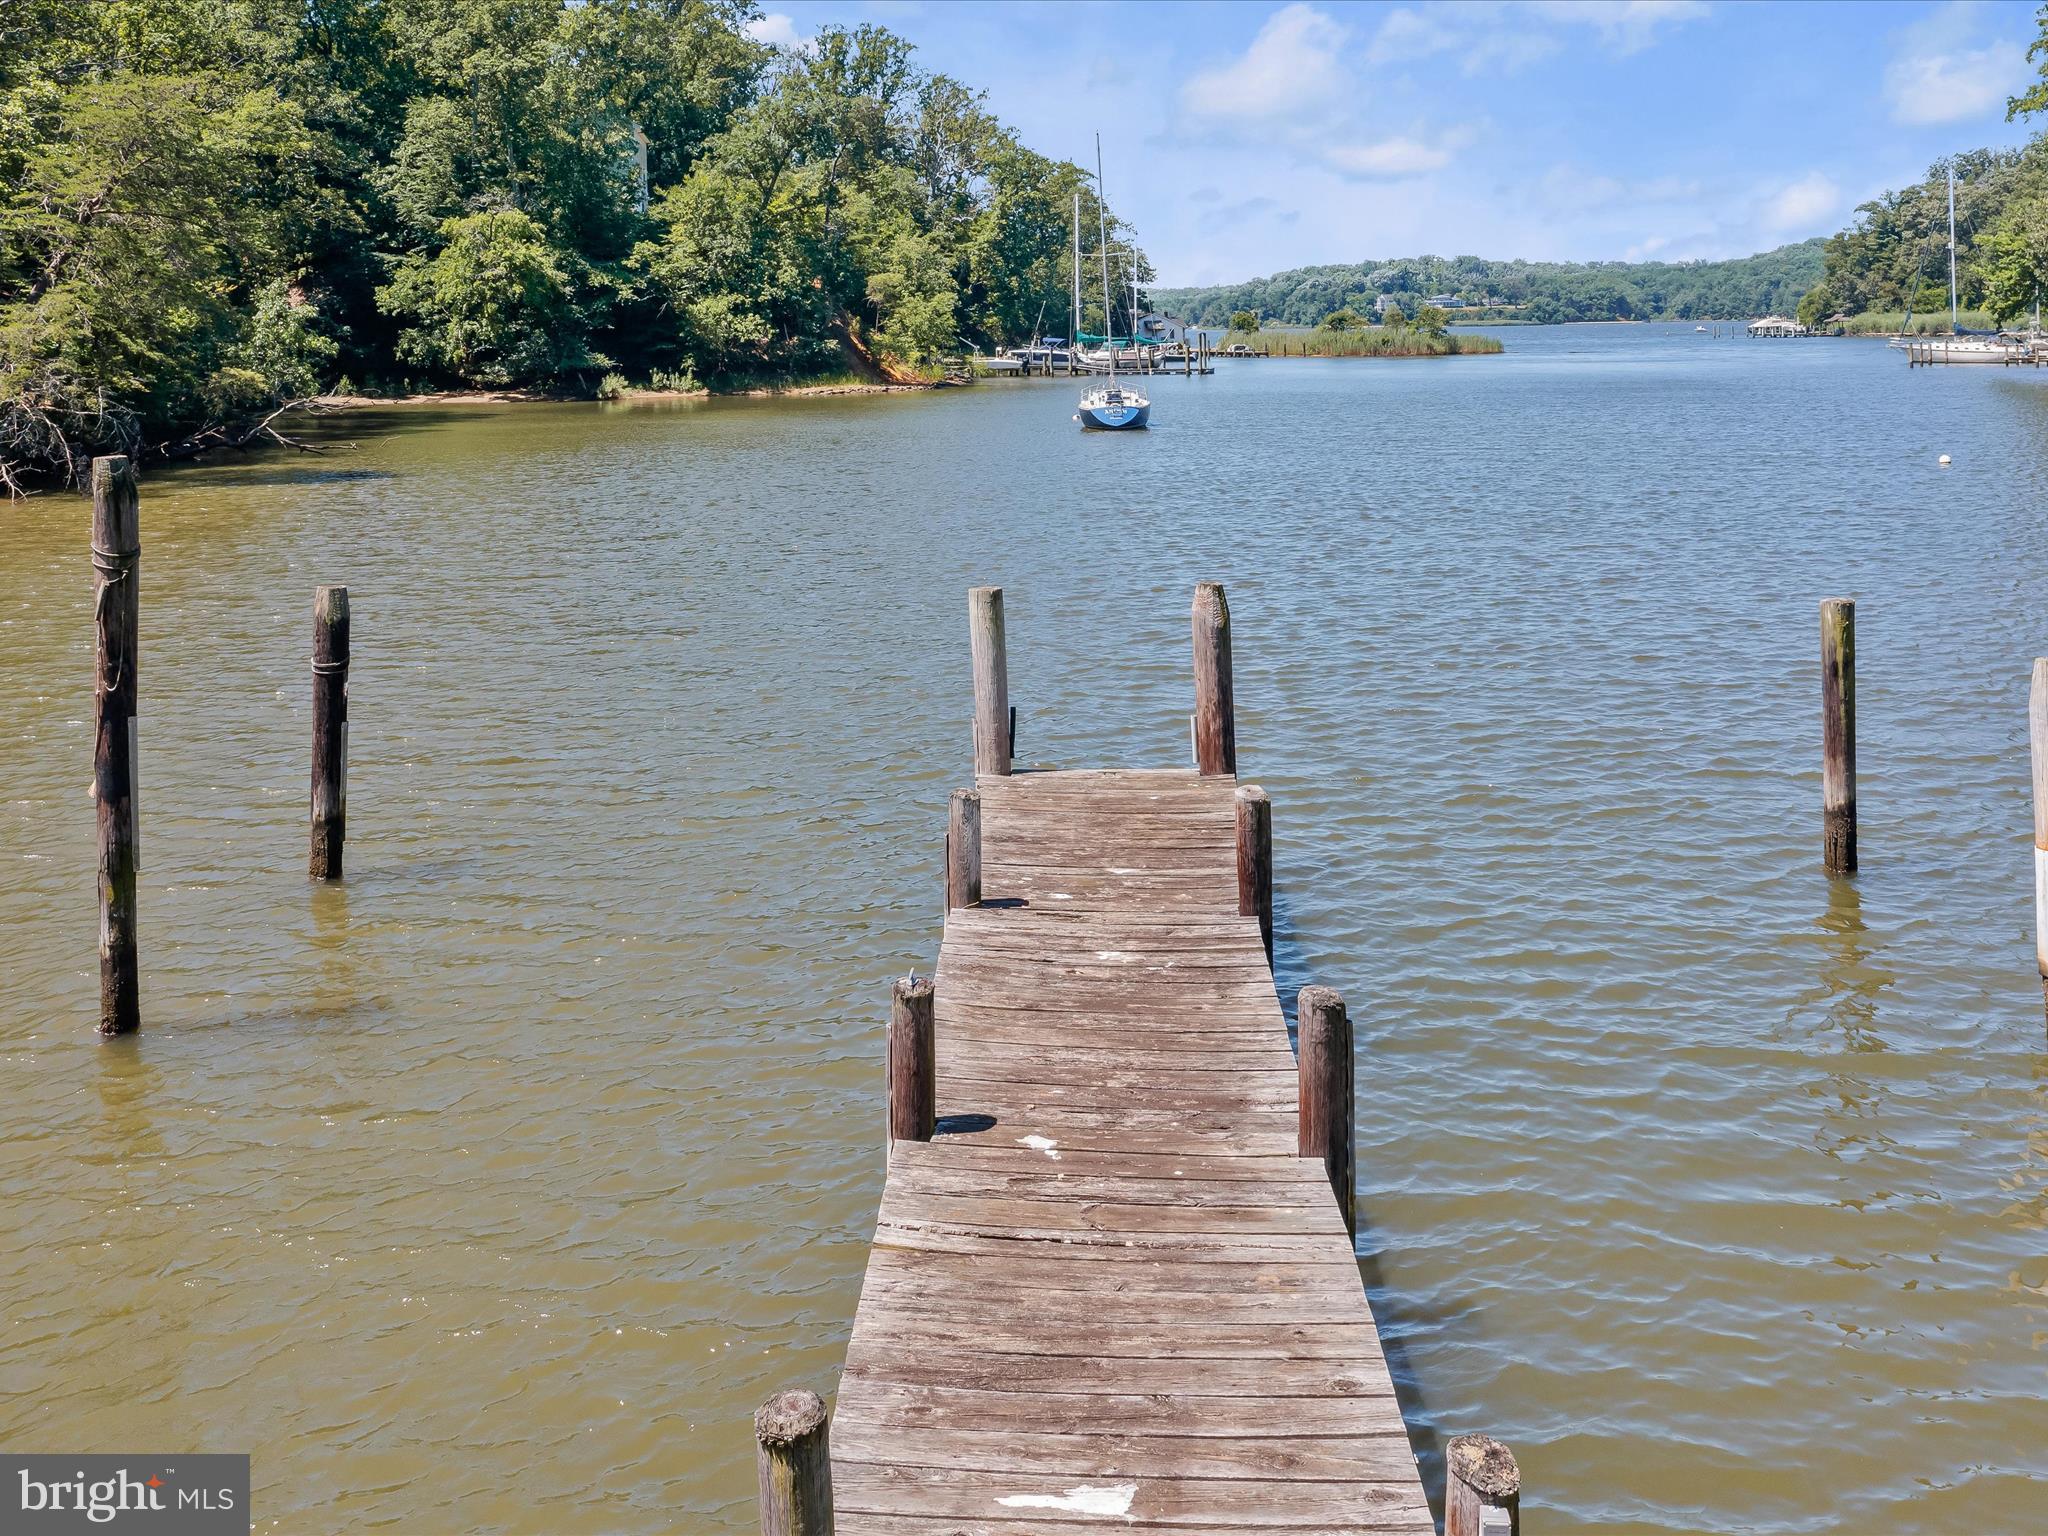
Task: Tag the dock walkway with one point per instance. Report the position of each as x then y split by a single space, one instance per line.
1109 1294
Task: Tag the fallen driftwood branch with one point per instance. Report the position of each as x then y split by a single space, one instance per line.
41 447
211 438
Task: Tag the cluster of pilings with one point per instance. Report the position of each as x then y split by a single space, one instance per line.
117 565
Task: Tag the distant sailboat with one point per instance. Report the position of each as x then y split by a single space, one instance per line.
1960 346
1112 407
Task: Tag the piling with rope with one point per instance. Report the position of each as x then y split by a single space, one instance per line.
116 562
330 732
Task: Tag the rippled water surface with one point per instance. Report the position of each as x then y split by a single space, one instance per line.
491 1190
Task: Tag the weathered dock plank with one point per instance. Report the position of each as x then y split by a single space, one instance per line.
1111 1293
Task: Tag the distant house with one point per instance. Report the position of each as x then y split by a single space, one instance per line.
1776 326
1162 331
1387 301
1444 301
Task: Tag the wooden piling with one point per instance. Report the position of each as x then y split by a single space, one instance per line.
1215 711
963 850
1838 733
1482 1488
912 1061
2037 724
1323 1059
1255 861
330 732
793 1457
116 563
991 680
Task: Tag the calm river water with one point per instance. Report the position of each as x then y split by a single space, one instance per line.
493 1189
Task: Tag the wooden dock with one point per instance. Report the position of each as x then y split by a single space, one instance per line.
1107 1289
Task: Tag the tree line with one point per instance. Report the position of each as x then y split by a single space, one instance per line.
1540 292
212 207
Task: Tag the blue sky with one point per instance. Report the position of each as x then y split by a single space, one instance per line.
1244 138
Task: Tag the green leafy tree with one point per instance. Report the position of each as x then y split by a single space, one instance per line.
1342 320
211 206
1392 316
1432 320
492 307
2035 97
2012 262
123 246
1244 320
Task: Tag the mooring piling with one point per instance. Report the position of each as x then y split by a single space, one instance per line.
2037 734
330 732
1323 1060
1482 1488
1255 860
963 850
1838 733
792 1439
1215 716
993 729
913 1044
116 563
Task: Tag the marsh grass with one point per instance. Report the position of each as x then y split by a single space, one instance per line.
1890 322
1374 341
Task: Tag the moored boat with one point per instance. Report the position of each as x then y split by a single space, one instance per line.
1113 408
1960 345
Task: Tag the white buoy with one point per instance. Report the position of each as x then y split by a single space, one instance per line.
1944 461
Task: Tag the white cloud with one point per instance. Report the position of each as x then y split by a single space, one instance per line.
774 29
1948 87
1626 26
1403 155
1483 35
1802 205
1409 34
1290 67
1943 71
1489 34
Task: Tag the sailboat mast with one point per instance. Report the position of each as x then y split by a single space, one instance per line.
1074 331
1102 238
1952 319
1133 254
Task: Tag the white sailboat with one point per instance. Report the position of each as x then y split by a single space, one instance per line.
1112 407
1959 346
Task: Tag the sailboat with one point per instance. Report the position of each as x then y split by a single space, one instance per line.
1111 407
1959 346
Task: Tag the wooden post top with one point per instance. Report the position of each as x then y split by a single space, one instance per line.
116 511
788 1417
1485 1466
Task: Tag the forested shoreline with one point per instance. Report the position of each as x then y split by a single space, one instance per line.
214 207
1534 292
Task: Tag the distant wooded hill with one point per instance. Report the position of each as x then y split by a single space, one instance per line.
1545 292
